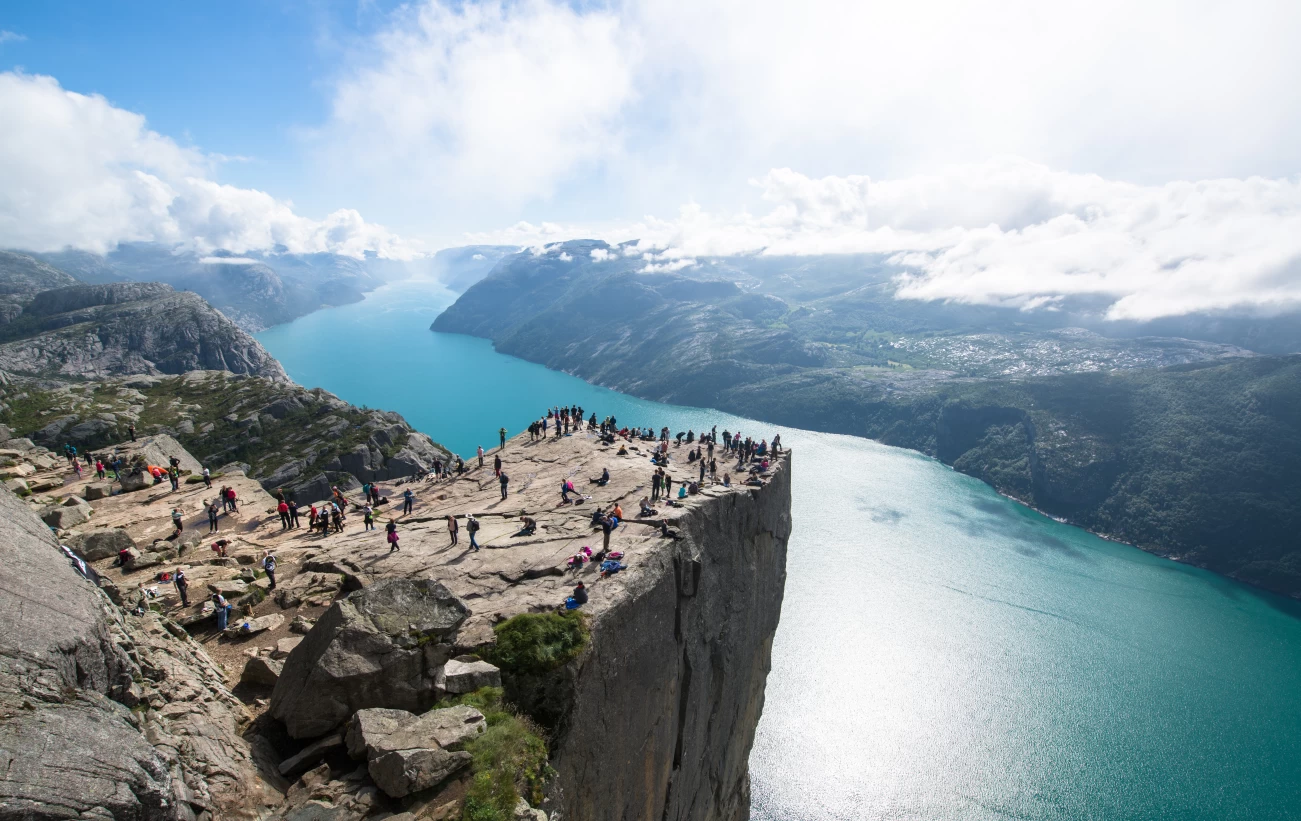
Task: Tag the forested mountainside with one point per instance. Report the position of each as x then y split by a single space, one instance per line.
81 363
1186 448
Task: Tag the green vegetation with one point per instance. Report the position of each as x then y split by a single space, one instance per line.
509 759
532 643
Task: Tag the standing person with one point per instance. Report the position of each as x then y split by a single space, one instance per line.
131 429
496 465
501 434
374 495
368 518
99 468
76 466
207 478
392 535
311 517
472 527
223 610
504 479
176 522
269 565
293 513
283 510
480 455
212 516
182 586
452 527
656 479
408 501
230 497
668 485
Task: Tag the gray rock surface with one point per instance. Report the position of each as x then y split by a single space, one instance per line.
101 544
310 755
65 518
368 727
404 772
367 650
467 676
261 671
71 666
447 728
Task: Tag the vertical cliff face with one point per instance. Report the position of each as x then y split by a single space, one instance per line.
666 703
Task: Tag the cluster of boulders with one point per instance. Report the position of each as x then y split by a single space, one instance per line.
363 682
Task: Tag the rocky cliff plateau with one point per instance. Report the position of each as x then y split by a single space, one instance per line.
356 688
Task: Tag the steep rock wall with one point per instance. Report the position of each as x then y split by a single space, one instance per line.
666 702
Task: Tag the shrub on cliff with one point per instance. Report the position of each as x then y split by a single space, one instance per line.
539 642
509 759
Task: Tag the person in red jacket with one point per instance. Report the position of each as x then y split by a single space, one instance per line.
283 510
230 498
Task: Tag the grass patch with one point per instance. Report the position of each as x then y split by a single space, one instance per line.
509 759
197 478
539 642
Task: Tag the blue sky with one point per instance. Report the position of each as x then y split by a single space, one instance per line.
998 147
237 77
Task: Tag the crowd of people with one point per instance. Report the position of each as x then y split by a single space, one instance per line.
708 456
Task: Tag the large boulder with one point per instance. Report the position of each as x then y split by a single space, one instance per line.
404 772
467 676
251 627
368 650
141 561
368 728
64 518
98 490
261 671
372 733
447 728
101 544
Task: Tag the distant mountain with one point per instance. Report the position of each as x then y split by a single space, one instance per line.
1190 448
22 277
259 289
96 331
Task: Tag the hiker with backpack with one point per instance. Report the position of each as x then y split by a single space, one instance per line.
269 565
472 527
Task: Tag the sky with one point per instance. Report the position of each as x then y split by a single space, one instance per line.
1014 153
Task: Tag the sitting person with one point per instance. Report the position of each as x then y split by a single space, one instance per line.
682 491
623 451
727 480
646 509
754 481
578 599
598 516
604 479
528 526
666 533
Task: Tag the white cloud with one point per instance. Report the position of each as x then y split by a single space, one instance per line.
487 113
1014 233
229 261
11 37
81 172
601 255
482 103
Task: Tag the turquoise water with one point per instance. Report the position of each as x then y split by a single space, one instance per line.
943 653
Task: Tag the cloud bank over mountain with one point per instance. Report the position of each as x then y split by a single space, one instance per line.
81 172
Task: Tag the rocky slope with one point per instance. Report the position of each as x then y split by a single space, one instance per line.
284 435
103 714
96 331
338 668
